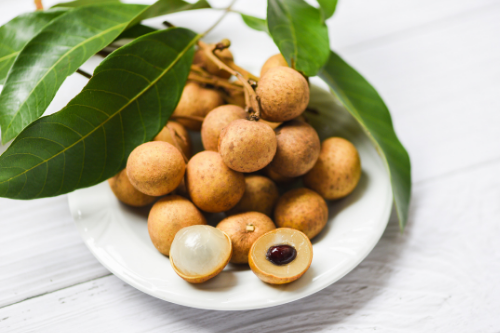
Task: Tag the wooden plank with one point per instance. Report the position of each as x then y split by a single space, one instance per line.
440 275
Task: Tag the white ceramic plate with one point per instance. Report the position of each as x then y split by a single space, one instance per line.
118 237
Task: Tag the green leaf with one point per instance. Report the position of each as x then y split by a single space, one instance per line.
255 23
127 102
80 3
52 55
163 7
327 8
298 30
136 31
366 105
16 33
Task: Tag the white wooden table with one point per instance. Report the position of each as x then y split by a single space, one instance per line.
437 65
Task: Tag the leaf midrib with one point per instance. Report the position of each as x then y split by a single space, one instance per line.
181 54
9 56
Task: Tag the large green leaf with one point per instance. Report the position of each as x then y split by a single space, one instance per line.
298 30
162 7
80 3
128 100
255 23
52 55
327 8
19 31
365 104
136 31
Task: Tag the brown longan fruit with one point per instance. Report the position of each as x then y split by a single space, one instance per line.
181 137
276 60
298 149
276 177
196 101
212 186
247 145
215 121
169 215
244 229
126 193
337 171
283 94
261 195
301 209
155 168
201 59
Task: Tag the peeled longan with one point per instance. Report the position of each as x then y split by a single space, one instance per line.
212 186
261 195
246 145
181 137
276 60
126 193
337 171
202 60
298 149
301 209
244 229
198 102
169 215
283 94
215 121
155 168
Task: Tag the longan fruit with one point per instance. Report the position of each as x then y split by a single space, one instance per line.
196 101
202 60
276 60
169 215
155 168
283 94
215 121
212 186
276 177
246 145
298 149
244 229
301 209
181 137
261 195
126 193
337 171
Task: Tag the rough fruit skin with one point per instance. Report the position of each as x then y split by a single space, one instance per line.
247 146
212 186
301 209
182 137
337 171
239 229
126 193
169 215
155 168
283 94
202 60
276 60
297 151
215 121
196 101
261 195
276 177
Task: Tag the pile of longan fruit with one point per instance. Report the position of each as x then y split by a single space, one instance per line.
252 169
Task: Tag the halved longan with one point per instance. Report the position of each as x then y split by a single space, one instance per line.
215 121
126 193
261 195
155 168
283 94
337 171
246 145
213 186
182 138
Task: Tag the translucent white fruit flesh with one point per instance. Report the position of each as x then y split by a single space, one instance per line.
200 250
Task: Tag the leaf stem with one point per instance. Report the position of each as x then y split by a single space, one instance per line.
226 11
84 73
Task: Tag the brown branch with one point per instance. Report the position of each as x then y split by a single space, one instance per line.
195 118
83 73
38 4
244 72
214 81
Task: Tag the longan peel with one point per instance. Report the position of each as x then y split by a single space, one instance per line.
215 121
201 59
276 177
261 195
337 171
283 93
301 209
182 138
198 102
155 168
169 215
246 145
298 148
212 186
244 229
276 60
127 193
